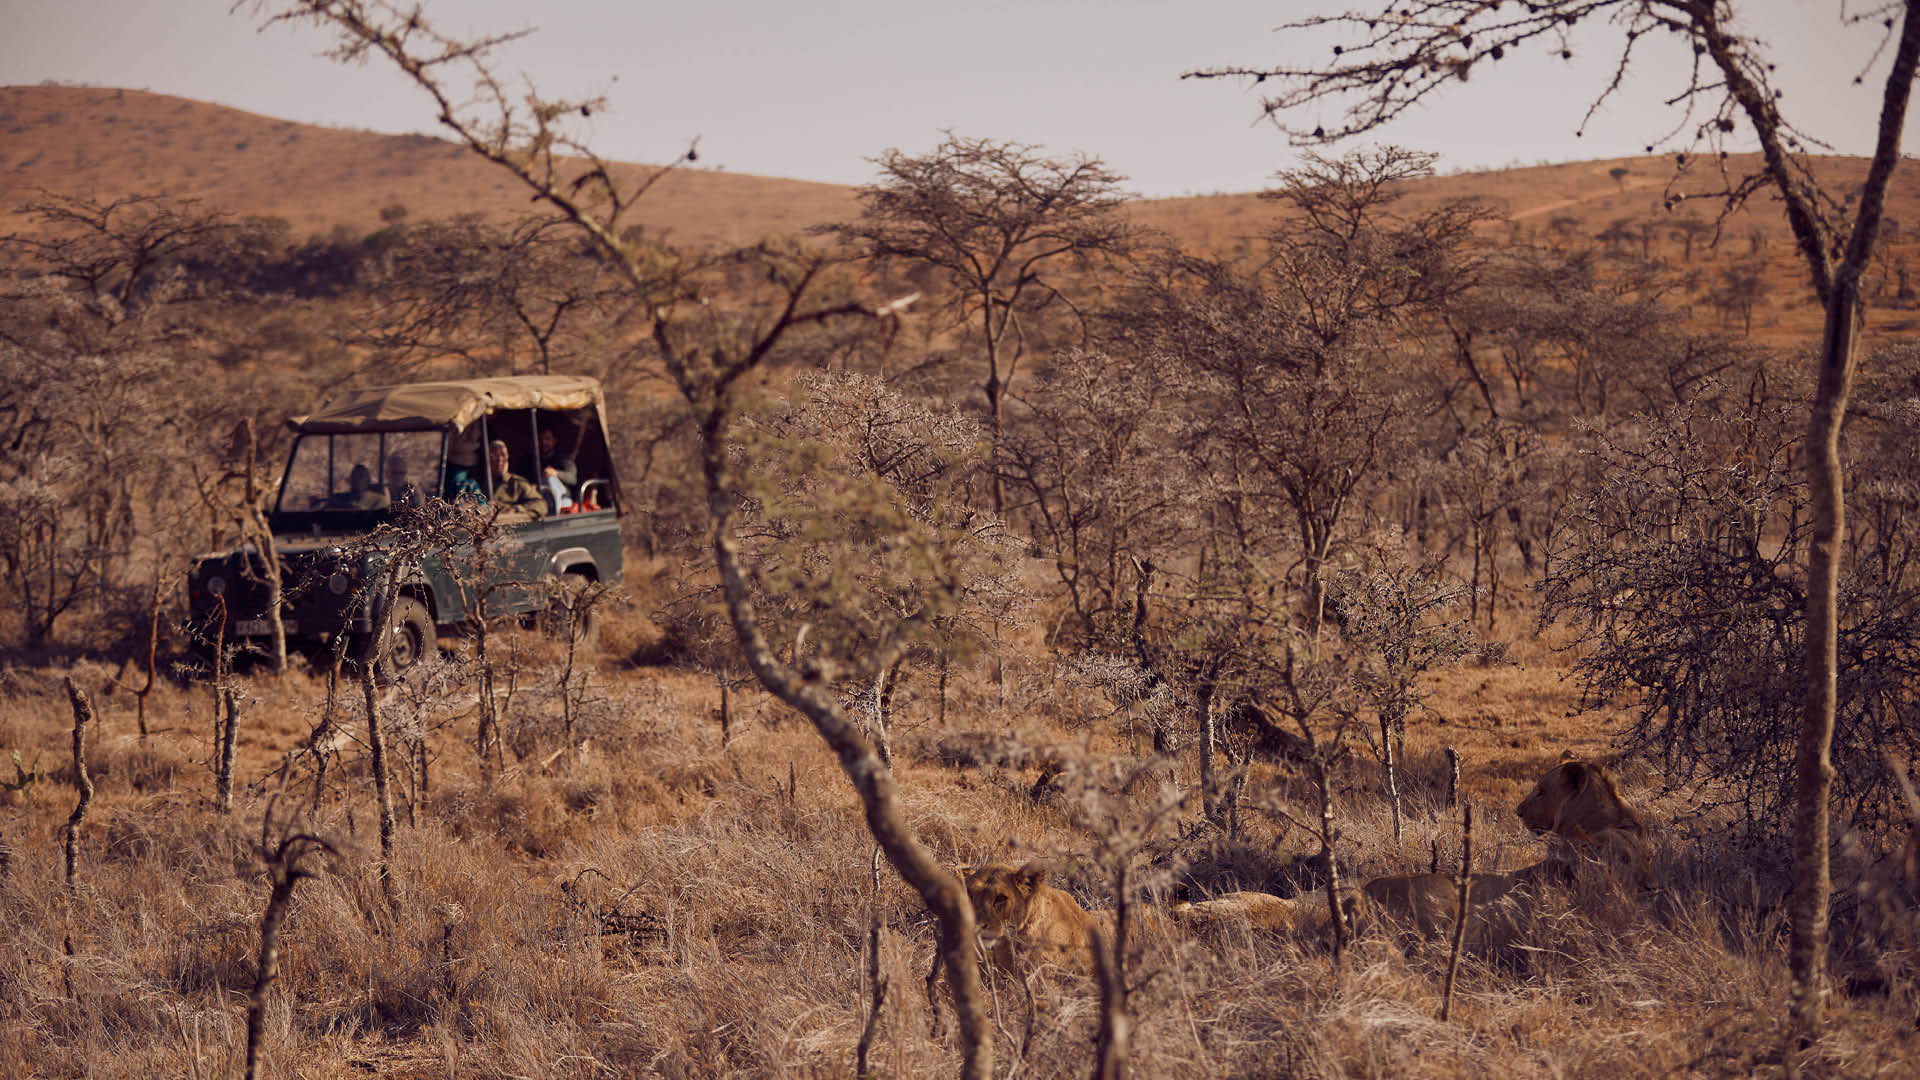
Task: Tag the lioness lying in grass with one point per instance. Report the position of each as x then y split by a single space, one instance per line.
1592 830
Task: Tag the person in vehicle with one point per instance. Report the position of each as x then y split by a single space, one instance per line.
463 463
558 474
511 491
400 490
359 494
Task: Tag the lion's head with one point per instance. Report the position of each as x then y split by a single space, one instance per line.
1002 895
1574 798
1026 922
1576 803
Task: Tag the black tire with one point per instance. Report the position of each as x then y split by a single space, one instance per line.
409 641
559 617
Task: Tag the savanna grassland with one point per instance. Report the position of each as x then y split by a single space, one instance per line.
1222 518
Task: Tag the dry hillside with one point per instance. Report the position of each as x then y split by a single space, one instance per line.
102 143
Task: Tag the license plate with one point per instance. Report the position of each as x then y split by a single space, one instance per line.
255 628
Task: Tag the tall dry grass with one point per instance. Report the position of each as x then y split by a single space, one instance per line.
644 902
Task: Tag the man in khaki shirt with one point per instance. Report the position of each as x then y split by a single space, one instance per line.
512 493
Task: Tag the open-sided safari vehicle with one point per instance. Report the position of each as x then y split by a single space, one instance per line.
393 455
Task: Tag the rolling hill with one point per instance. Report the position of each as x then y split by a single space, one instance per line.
103 143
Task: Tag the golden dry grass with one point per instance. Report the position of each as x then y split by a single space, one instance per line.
646 901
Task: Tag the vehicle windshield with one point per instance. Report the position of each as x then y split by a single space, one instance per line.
372 471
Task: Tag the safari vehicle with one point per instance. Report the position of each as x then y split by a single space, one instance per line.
371 456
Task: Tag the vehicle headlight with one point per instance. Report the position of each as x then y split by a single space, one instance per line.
338 584
216 585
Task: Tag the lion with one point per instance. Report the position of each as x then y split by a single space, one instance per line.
1575 804
1879 946
1257 910
1589 822
1307 912
1026 923
1428 904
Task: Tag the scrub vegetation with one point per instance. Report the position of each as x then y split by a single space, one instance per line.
990 518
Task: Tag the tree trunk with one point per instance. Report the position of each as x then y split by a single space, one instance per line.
946 661
1319 532
1391 761
1812 887
1812 891
153 653
1473 590
1336 918
884 681
223 769
994 388
1112 1044
1210 801
284 872
1461 911
254 522
383 791
82 783
83 787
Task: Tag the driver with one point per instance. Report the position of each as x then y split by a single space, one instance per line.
359 494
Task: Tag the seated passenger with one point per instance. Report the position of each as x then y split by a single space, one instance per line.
359 494
511 492
558 473
463 464
400 490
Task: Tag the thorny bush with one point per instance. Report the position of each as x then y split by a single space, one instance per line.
1681 577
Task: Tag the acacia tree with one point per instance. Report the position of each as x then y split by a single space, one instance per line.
1296 404
857 523
1396 619
95 301
1541 345
708 353
1096 472
1395 57
487 292
1742 285
1351 267
1689 230
1284 440
117 253
1678 578
1002 222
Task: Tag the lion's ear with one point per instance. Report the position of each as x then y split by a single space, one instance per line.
1577 775
1032 876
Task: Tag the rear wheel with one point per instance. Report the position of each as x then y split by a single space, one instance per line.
408 640
573 613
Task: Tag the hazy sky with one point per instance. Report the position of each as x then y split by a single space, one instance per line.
811 89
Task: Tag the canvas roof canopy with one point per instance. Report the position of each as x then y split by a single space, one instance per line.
452 404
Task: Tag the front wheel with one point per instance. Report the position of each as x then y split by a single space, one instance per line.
408 640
